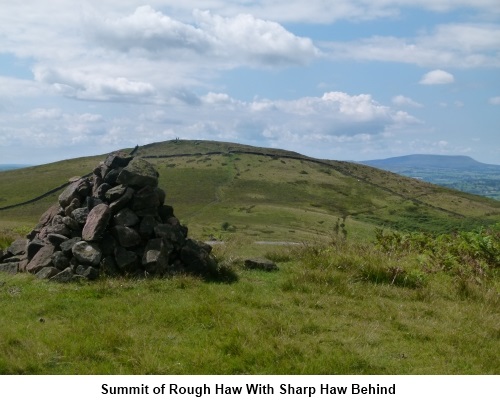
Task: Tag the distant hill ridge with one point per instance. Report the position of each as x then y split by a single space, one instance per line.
11 167
437 161
459 172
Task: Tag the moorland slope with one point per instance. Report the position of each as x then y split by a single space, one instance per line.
218 188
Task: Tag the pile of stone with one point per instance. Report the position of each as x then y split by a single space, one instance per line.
114 222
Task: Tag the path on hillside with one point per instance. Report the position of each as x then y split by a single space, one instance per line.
345 172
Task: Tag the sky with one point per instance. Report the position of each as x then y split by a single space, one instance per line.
334 79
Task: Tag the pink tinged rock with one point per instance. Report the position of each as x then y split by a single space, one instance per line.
43 258
96 223
71 192
47 216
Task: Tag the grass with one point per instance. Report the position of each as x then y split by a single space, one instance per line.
337 306
323 312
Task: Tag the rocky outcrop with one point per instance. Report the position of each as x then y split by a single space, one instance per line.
112 223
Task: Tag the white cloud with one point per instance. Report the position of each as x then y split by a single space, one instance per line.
495 100
309 124
147 56
229 41
449 45
12 87
146 29
311 11
404 101
437 77
255 41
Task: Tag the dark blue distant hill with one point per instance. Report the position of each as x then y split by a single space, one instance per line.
11 167
430 161
458 172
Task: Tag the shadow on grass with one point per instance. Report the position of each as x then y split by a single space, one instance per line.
224 274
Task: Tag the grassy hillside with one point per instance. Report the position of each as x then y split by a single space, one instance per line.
220 189
349 299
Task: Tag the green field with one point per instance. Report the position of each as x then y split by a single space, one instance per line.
390 275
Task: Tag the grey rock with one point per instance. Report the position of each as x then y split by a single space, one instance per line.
108 244
80 215
147 226
196 259
92 202
109 266
138 173
10 268
173 234
146 197
60 260
126 260
161 195
101 191
112 175
64 276
260 263
57 220
96 223
71 223
60 229
47 272
117 205
156 256
89 272
86 253
84 188
71 192
75 203
14 259
47 216
127 237
33 247
96 183
126 217
115 193
103 170
56 239
18 247
67 245
117 160
165 212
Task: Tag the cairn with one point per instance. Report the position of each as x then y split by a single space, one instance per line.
114 222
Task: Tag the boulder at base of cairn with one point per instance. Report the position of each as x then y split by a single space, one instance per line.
260 263
115 223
